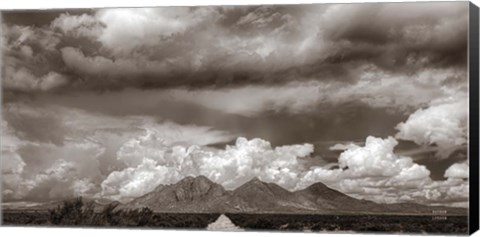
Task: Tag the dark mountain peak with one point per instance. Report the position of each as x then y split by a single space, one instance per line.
188 179
258 196
322 191
256 186
202 177
191 188
159 188
255 181
189 182
318 187
196 180
191 194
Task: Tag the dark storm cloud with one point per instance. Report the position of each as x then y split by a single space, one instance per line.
231 46
31 61
325 122
401 37
38 18
35 127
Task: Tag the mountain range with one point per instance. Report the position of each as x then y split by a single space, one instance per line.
201 195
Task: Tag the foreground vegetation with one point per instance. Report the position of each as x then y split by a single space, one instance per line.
357 223
79 213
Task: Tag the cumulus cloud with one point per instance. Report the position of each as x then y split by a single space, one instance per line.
150 163
454 191
371 171
377 158
458 170
133 181
443 124
375 172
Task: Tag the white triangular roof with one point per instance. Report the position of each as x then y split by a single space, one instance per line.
223 223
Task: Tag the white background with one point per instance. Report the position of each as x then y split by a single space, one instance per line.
48 4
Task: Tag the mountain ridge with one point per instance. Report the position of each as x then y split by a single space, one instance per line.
201 195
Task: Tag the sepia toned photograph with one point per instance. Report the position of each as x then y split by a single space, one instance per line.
329 118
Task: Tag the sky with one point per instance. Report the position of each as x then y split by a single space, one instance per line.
370 99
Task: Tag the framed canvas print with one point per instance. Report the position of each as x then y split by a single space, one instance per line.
328 118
